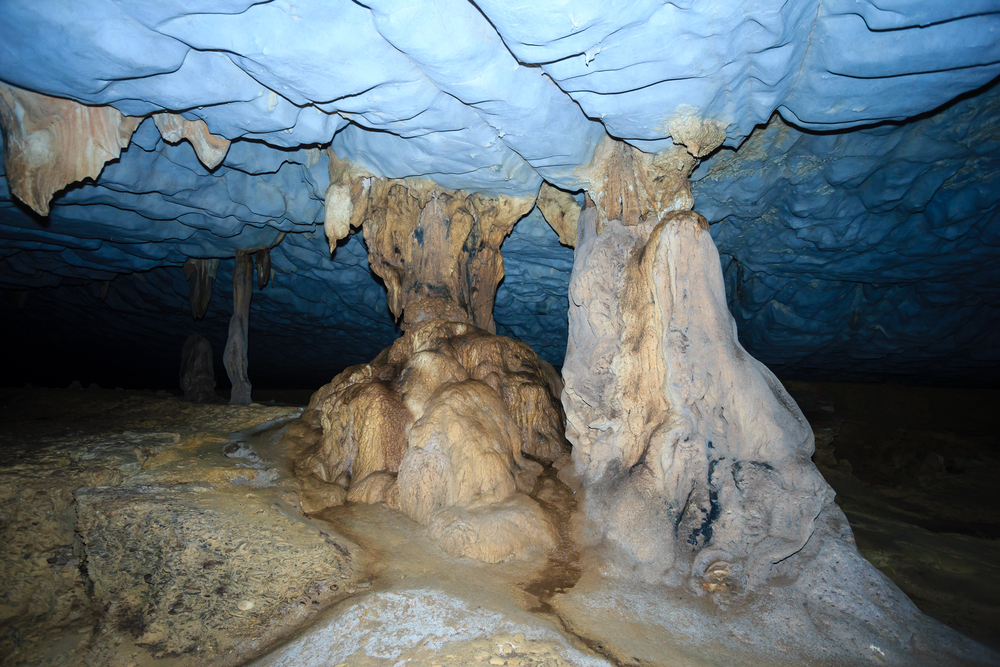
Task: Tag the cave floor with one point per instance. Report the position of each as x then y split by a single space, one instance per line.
915 470
138 529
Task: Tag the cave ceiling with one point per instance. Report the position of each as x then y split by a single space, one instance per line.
854 200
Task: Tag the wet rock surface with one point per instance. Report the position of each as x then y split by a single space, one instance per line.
914 469
144 539
128 534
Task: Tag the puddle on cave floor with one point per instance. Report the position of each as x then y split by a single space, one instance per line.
562 569
402 555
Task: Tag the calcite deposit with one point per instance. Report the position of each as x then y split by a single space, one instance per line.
51 142
438 426
235 354
661 504
694 458
197 370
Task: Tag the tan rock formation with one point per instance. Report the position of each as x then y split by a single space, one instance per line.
700 136
211 149
437 426
200 274
630 186
51 142
561 211
438 251
235 354
694 459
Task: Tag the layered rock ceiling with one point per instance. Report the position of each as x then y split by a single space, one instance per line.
853 199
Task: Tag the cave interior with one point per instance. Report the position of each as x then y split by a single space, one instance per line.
499 332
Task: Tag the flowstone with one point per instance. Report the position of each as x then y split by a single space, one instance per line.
438 426
694 458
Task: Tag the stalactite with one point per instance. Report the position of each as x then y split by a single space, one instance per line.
51 142
210 149
200 274
263 262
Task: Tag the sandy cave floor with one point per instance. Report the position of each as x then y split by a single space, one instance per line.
137 529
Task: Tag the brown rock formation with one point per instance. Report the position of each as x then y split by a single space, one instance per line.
437 426
51 142
693 460
438 251
630 186
263 262
200 274
561 211
197 370
210 149
235 355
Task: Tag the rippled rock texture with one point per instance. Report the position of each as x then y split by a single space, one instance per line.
230 151
138 528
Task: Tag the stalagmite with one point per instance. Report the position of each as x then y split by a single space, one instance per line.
197 370
51 142
235 355
200 274
693 462
438 425
694 459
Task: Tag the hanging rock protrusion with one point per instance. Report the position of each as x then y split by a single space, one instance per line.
51 142
437 250
200 274
263 262
211 149
560 210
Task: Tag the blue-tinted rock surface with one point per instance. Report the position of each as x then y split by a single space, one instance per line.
850 253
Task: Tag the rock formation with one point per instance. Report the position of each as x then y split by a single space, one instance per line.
235 355
693 460
438 425
200 274
210 149
438 251
51 142
197 370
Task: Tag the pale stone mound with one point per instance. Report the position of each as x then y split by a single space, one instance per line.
492 533
438 426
